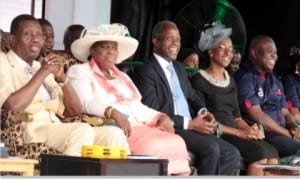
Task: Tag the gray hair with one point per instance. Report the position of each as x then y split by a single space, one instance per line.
160 26
256 40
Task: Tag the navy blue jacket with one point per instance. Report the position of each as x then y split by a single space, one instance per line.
265 90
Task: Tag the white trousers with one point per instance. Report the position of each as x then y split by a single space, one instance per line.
68 138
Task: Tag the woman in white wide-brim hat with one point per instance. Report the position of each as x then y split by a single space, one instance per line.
106 92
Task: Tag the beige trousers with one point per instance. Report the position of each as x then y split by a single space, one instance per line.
70 137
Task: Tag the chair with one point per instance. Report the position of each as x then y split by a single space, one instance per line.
11 135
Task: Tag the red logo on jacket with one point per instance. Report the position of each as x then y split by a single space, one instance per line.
248 103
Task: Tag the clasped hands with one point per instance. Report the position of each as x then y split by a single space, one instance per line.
53 63
252 133
204 123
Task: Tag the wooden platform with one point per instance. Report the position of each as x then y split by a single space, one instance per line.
24 166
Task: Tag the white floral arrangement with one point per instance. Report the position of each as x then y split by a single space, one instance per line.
114 29
211 36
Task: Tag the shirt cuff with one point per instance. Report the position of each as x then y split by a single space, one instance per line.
202 111
186 120
186 123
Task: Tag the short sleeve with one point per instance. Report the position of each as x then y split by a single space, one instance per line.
290 88
246 85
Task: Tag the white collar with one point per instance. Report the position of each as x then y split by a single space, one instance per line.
20 61
163 62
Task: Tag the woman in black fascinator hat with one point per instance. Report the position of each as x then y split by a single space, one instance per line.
216 42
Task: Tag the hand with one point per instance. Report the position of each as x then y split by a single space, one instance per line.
204 123
208 117
295 132
54 64
297 117
121 122
253 133
165 123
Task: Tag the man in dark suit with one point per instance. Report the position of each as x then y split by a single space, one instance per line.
195 124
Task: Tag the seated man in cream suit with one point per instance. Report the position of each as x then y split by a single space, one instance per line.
42 91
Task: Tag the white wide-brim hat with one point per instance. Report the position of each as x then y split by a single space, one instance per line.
116 32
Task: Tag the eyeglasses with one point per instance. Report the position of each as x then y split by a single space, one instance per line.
222 49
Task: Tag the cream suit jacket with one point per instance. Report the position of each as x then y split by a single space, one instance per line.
14 77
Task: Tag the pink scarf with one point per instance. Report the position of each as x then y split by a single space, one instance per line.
103 81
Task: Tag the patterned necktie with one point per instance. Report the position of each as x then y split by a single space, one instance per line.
178 96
